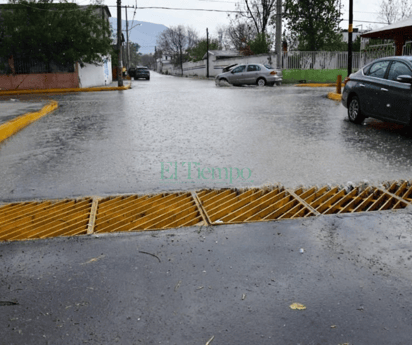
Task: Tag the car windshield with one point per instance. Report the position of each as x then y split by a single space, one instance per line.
142 69
268 66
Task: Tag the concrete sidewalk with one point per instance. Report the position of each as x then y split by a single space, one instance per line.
233 284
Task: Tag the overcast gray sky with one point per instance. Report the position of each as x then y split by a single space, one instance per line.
364 11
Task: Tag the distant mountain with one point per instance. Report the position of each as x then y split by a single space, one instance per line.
145 35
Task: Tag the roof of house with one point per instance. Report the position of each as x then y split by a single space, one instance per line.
405 23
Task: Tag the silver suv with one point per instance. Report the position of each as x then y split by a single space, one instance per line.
252 74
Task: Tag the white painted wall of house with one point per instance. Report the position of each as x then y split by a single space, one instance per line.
91 75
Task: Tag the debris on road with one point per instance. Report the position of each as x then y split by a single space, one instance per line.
7 303
154 255
297 306
93 260
210 340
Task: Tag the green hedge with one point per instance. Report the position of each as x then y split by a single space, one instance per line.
313 75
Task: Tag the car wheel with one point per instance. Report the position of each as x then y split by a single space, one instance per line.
148 78
354 111
279 83
261 82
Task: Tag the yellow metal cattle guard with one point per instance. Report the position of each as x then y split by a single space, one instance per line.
71 217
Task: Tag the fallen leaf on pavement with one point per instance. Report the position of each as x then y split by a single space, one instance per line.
297 306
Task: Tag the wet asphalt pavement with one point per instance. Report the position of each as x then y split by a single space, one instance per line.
115 142
235 283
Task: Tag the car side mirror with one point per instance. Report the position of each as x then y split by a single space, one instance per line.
233 72
404 79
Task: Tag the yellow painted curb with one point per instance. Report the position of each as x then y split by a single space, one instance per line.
88 89
317 85
335 96
9 128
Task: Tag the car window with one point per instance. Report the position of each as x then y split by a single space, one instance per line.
253 68
268 66
378 69
397 69
239 69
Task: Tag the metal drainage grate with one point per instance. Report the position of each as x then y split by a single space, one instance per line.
230 206
44 219
402 189
335 200
162 211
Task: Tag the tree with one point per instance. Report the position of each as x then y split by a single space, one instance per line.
148 60
176 41
134 53
257 12
314 22
240 34
197 52
392 11
261 44
62 33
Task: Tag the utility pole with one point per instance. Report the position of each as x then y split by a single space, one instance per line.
127 43
207 53
279 34
350 29
119 43
155 58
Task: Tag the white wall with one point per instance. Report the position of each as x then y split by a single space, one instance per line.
216 66
91 75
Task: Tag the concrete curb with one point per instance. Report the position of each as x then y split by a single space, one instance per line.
317 85
335 96
89 89
9 128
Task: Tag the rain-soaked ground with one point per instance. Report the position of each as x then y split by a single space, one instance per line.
169 133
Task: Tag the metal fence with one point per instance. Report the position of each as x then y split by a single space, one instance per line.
407 48
318 60
30 67
377 51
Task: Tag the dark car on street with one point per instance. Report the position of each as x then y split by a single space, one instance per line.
382 90
141 72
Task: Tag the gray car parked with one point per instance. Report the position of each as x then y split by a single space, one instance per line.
252 74
382 90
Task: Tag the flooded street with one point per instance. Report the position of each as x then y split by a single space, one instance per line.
174 133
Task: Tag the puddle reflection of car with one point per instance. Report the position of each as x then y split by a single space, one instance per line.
382 90
250 74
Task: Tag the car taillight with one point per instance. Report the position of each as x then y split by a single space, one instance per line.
346 80
273 72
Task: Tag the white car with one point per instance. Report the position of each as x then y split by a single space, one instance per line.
252 74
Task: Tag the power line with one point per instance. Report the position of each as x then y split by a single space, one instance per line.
180 9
